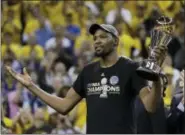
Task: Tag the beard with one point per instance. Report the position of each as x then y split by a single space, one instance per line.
103 54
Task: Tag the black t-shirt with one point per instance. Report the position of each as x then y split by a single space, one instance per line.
110 110
150 123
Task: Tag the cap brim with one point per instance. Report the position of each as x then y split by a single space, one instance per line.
94 27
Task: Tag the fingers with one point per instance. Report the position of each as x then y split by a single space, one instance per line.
14 74
163 47
11 71
182 75
159 51
181 83
25 71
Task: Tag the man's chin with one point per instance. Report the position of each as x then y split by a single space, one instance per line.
103 54
98 54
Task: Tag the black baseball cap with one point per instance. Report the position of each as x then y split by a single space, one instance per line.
106 27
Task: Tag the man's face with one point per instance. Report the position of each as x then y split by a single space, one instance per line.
103 43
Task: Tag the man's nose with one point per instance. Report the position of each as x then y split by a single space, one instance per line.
98 42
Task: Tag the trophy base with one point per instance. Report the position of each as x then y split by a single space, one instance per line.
147 74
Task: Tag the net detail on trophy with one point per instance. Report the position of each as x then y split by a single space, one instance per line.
161 35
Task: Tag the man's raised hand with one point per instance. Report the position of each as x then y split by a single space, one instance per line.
24 78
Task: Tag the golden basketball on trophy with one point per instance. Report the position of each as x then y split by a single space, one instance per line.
161 35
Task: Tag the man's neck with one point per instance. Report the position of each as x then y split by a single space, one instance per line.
109 60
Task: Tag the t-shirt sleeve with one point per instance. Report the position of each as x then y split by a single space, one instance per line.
79 84
137 82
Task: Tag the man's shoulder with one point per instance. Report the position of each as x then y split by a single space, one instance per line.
91 65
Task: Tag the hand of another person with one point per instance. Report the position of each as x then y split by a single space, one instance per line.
181 83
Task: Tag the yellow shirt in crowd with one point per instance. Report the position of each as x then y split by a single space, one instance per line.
9 124
165 7
15 48
80 121
16 9
55 15
78 19
127 42
31 26
84 36
12 27
31 23
168 95
8 27
168 92
107 6
27 50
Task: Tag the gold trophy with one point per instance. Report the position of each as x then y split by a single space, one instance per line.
161 35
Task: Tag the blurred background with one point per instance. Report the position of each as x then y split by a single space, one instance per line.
51 39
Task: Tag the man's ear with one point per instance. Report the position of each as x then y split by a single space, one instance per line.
116 41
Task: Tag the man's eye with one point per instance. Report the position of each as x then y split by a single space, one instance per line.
103 36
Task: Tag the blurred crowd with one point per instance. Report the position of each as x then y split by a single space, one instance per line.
51 39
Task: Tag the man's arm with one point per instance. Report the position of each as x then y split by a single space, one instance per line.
61 105
148 95
151 97
64 105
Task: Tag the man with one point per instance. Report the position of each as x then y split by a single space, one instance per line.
109 86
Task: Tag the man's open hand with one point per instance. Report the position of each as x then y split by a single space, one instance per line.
24 78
